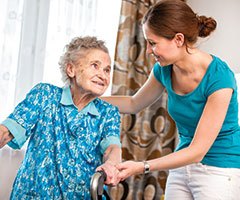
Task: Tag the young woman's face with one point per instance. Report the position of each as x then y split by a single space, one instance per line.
92 73
164 50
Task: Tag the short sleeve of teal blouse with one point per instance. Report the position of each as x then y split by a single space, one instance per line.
186 111
65 145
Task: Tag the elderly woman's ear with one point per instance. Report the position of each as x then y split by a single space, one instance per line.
70 70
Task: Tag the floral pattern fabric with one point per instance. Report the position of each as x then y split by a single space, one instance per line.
65 145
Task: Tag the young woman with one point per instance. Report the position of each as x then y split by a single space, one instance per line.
202 100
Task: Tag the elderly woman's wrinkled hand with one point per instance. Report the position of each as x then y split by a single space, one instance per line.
5 136
112 173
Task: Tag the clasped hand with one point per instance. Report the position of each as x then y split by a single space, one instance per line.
119 172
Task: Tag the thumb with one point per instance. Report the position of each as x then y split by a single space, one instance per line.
120 166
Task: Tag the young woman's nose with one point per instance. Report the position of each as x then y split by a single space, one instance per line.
149 49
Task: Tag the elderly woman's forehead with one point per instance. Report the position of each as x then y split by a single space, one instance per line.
94 55
96 52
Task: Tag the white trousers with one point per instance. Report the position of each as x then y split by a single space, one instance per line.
203 182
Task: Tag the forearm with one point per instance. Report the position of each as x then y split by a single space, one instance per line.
113 154
145 96
176 159
124 103
129 104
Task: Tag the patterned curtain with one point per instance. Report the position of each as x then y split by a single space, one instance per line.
150 133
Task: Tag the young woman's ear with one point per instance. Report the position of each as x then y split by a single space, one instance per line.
179 39
70 70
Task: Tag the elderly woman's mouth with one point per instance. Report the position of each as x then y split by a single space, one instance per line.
99 83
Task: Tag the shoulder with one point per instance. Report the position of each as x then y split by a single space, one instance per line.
220 76
105 107
108 113
162 73
220 67
45 92
158 69
220 70
46 86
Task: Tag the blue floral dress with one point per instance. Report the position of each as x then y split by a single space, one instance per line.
65 146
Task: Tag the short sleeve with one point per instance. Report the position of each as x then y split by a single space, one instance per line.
111 130
157 72
26 115
222 77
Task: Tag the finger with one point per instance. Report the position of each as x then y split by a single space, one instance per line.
108 181
112 178
120 166
121 175
6 135
122 179
98 169
4 141
2 138
118 180
114 181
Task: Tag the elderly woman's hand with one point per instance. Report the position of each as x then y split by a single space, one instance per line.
5 136
112 173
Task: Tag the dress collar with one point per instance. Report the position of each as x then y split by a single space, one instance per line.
67 100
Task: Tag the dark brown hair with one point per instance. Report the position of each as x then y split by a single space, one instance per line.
168 17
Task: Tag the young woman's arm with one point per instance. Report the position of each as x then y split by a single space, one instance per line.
146 95
206 132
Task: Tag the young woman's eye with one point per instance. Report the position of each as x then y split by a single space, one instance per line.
151 43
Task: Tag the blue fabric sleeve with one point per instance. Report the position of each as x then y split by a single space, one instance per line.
17 131
109 141
26 115
111 131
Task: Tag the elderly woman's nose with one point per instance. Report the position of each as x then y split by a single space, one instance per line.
102 72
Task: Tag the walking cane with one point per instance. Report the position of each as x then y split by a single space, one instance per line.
97 186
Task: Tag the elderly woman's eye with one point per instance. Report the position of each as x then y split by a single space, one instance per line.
107 70
94 65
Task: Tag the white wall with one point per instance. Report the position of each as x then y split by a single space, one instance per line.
225 41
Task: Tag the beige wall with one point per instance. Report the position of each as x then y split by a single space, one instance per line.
225 42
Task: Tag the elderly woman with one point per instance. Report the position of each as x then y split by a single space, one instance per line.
71 131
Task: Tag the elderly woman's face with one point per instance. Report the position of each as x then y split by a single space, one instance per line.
92 74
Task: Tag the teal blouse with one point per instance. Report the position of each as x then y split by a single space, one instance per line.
186 111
